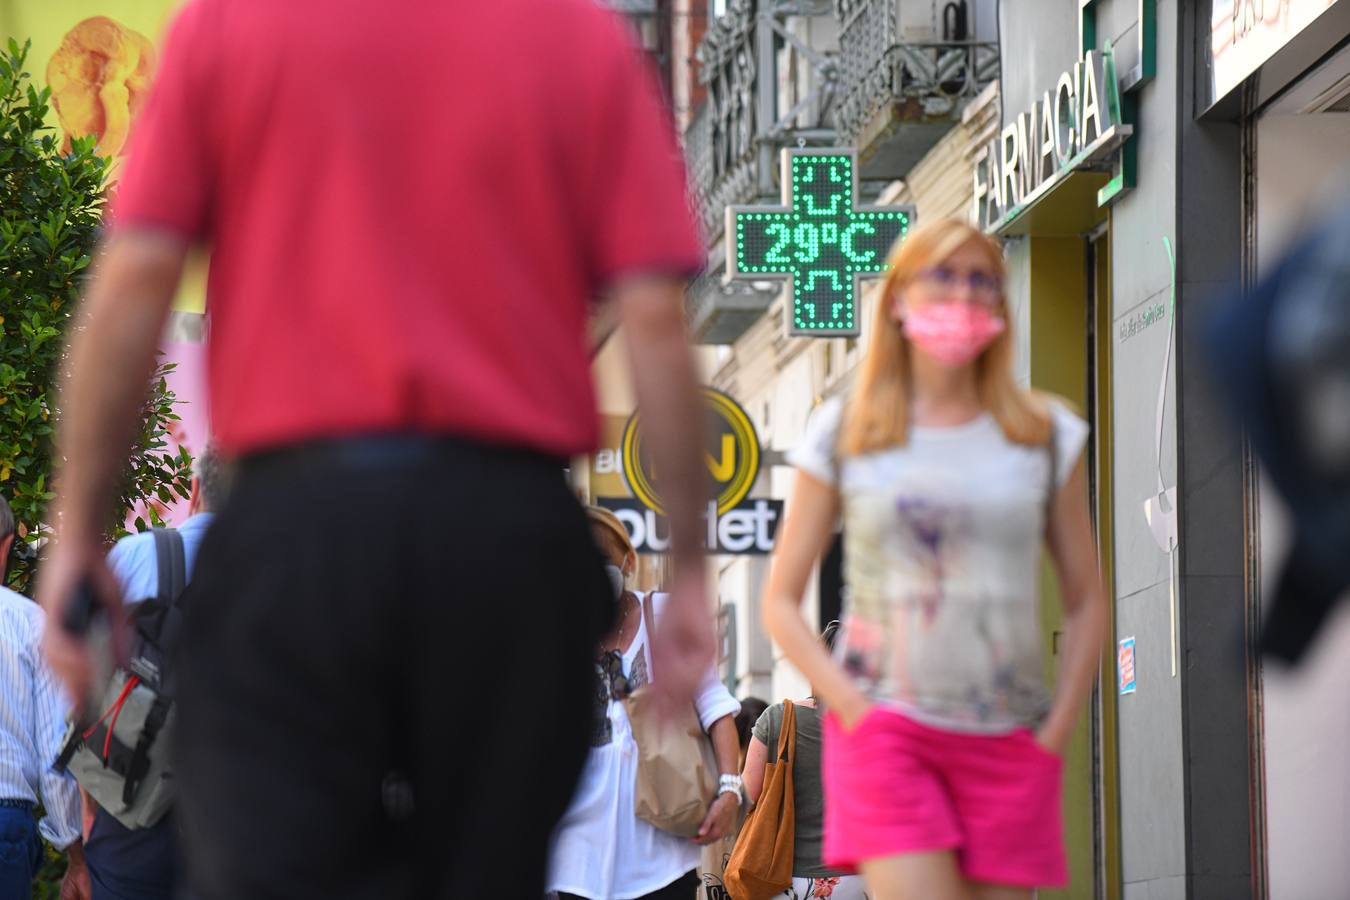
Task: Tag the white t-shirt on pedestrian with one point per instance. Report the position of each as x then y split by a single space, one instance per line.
942 548
601 849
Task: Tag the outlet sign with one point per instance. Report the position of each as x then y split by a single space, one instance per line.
732 454
748 529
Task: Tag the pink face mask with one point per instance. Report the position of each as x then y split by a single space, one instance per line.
952 333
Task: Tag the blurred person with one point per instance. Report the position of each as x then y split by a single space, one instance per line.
942 747
751 709
810 876
33 714
1281 354
602 850
144 863
409 214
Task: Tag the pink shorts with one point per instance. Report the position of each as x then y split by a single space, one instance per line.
893 785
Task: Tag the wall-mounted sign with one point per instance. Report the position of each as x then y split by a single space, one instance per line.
1145 318
1076 124
1125 666
820 239
606 464
732 455
1246 33
733 523
748 529
99 58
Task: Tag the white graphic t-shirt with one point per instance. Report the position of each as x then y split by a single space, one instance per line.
942 543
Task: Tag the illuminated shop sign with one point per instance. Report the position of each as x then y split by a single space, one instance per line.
1075 125
746 530
820 239
732 454
733 523
1246 33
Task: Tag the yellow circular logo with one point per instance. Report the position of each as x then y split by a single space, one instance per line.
732 455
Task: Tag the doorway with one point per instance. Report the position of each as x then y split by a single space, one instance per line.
1071 339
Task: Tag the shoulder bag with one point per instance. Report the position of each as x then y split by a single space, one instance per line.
761 863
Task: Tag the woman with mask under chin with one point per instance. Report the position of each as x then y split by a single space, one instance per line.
601 849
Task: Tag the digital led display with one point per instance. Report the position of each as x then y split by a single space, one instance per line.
820 240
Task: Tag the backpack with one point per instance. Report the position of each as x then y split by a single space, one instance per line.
122 758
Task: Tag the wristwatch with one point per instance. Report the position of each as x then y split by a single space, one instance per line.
732 784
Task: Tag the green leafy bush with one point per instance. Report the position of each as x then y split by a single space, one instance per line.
51 205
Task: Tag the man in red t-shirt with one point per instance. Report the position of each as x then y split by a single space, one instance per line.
411 207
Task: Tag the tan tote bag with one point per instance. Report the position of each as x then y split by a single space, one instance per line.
761 864
677 773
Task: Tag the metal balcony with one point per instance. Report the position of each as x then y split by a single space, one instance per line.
719 149
899 95
732 144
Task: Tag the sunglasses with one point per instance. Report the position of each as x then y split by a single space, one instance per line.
940 282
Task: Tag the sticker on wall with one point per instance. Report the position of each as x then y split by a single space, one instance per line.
1125 665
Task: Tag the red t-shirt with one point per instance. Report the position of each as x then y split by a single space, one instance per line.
410 206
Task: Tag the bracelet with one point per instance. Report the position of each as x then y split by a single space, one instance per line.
732 784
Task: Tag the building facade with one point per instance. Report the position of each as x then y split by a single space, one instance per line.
1201 137
1142 162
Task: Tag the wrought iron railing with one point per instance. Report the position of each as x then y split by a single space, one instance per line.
722 163
876 70
731 144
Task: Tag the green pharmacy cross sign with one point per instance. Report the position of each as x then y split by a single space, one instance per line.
820 239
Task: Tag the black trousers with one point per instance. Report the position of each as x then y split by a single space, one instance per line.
387 611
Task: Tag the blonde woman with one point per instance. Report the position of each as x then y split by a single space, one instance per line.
942 745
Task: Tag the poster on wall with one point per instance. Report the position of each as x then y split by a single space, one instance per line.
99 58
1125 666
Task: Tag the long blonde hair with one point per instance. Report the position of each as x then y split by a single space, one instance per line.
877 414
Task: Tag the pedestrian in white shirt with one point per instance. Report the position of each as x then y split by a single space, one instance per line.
601 849
33 713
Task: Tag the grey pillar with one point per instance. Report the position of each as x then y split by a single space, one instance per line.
1216 686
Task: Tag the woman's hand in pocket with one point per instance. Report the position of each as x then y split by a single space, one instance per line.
851 708
1052 740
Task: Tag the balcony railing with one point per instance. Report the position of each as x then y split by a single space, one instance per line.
732 143
903 80
933 77
720 151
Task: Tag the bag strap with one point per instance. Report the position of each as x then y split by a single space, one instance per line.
140 756
649 617
787 732
1052 485
171 563
74 740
